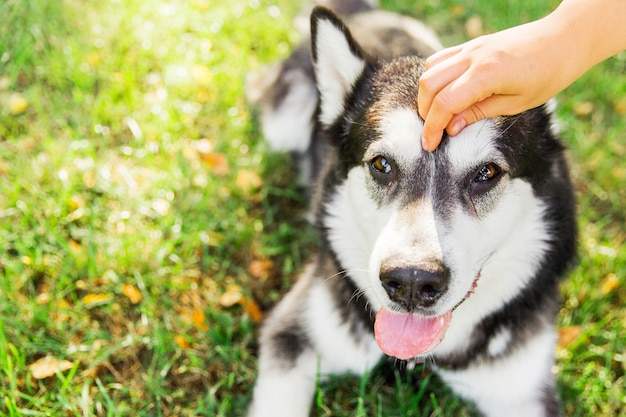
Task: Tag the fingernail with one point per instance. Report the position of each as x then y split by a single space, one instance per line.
457 126
424 144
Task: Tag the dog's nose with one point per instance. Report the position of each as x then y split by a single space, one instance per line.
415 287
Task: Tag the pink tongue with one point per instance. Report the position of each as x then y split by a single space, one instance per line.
405 335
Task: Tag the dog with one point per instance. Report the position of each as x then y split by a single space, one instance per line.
452 257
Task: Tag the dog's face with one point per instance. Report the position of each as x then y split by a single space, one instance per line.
423 234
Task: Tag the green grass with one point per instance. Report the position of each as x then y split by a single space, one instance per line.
143 220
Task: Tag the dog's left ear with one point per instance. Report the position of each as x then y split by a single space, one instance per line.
338 60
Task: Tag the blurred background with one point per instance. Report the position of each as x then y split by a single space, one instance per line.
145 228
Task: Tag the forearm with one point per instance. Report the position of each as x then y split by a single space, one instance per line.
596 27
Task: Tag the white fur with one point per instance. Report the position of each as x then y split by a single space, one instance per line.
473 146
337 69
511 385
354 223
288 392
499 343
507 246
405 242
284 392
338 350
400 130
288 128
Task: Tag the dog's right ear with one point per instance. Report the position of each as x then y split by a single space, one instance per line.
338 60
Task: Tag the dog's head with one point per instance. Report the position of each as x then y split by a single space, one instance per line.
420 232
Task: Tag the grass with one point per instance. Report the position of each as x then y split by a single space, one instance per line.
145 227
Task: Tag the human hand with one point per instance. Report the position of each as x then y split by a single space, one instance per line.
503 73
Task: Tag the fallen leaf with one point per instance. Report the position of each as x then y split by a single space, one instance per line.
48 366
583 109
260 268
197 317
217 162
457 10
181 342
232 296
248 181
132 292
17 104
75 247
568 335
96 299
252 309
609 283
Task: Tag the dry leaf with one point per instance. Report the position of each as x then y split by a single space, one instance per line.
181 342
458 10
132 292
583 109
217 162
17 104
568 335
252 309
49 366
248 180
232 296
197 317
96 299
260 268
75 247
609 283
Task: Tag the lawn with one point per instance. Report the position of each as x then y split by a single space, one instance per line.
146 228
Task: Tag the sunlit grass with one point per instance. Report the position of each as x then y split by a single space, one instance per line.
145 225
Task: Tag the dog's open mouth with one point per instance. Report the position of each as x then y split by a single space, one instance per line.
408 335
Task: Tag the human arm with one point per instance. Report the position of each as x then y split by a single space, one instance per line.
511 71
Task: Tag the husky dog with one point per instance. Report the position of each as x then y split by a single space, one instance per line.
453 257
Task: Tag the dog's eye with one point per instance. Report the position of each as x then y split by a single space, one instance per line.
380 164
487 173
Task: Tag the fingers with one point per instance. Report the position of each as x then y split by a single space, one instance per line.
441 70
456 105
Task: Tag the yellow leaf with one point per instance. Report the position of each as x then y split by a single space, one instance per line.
197 317
252 309
260 268
248 180
217 162
17 104
132 292
232 296
583 108
49 366
96 299
181 342
620 107
568 335
75 247
609 283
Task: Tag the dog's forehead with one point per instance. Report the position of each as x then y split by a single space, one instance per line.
474 145
400 131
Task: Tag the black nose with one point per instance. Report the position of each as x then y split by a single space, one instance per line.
415 287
